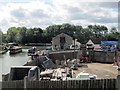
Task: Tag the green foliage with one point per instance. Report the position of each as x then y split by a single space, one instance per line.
1 37
12 34
25 35
113 30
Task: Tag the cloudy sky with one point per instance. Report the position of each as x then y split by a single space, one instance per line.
42 13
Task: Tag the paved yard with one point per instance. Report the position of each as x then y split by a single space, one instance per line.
101 70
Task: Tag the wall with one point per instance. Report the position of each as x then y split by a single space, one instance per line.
60 55
104 57
98 56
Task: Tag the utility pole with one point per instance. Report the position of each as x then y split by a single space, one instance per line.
74 44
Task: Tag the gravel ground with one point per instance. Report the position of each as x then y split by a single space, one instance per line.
102 71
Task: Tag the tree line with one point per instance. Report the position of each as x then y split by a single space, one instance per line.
25 35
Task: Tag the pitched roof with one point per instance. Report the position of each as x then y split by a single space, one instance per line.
62 34
90 42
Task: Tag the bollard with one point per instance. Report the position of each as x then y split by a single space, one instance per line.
118 79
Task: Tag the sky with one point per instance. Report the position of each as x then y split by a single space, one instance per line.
42 13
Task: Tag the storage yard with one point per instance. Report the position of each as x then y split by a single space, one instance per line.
103 71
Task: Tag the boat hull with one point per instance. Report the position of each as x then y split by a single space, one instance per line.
15 51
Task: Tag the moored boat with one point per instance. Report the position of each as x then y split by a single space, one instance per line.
15 49
3 51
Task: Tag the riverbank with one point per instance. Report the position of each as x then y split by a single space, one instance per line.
3 51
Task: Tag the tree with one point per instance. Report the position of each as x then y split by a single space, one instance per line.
12 34
29 35
37 35
98 31
21 35
4 38
113 30
1 36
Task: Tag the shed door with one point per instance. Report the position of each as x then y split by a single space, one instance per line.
62 42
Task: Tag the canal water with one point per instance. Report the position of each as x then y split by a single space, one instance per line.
7 60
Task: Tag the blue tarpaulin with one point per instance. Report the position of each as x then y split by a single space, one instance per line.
109 46
109 42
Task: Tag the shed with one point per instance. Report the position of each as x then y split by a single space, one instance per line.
90 45
62 42
90 42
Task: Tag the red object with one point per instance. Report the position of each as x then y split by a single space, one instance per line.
91 59
115 63
86 58
82 59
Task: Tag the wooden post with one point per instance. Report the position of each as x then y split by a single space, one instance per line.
118 79
25 82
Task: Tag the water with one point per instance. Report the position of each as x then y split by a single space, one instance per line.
6 60
13 60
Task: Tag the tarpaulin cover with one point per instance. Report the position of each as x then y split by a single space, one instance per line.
109 42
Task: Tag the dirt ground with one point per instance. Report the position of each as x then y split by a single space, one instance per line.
103 71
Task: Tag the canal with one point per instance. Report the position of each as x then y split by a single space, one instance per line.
6 60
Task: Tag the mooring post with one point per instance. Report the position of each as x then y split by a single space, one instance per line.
118 79
25 82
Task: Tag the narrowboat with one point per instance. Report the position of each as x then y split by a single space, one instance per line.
15 49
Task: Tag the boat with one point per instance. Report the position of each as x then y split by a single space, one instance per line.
3 51
15 49
32 51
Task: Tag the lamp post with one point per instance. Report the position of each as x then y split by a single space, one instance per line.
75 65
74 43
